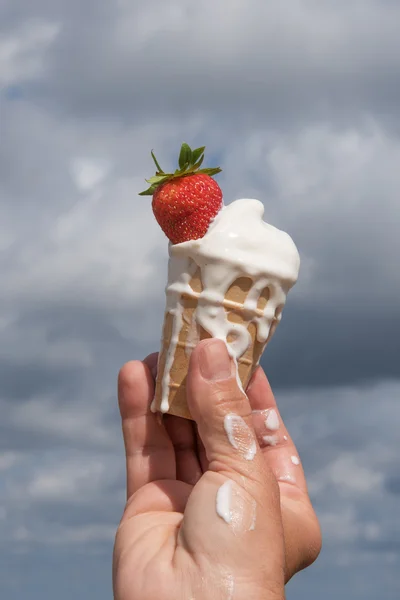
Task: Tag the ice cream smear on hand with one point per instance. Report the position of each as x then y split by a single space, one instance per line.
238 243
228 275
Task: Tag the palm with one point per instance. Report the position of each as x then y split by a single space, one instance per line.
167 478
149 541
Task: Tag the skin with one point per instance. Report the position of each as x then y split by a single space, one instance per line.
171 543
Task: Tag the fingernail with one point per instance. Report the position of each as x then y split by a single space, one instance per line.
215 362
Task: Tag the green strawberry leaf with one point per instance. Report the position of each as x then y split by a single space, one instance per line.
190 162
149 192
210 171
159 169
196 154
185 156
157 179
198 164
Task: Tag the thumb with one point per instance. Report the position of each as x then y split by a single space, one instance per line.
238 495
223 415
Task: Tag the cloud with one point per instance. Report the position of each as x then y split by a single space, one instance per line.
346 439
333 59
349 475
321 346
335 191
300 108
7 460
22 50
71 500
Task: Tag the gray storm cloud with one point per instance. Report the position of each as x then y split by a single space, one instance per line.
300 107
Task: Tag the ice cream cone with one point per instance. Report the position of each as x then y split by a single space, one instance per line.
170 392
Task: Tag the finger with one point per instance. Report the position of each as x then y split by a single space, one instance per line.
222 412
183 437
152 362
149 451
201 452
301 527
238 495
302 534
277 446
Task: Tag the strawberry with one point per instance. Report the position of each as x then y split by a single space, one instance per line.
186 201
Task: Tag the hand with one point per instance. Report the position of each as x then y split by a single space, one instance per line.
215 510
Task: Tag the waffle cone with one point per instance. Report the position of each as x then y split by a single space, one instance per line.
190 334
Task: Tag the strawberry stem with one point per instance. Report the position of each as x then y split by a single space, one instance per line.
189 162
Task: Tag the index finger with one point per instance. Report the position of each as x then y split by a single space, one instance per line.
277 446
149 451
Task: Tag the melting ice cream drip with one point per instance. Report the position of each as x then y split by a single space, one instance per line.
177 324
237 244
240 436
224 500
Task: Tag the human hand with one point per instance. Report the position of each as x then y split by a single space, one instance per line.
214 511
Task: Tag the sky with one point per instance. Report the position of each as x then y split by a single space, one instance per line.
299 103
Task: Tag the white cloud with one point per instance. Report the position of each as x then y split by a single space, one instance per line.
88 173
299 105
98 245
72 421
37 498
83 535
8 460
64 536
335 191
340 527
30 343
316 58
346 438
68 481
348 475
22 51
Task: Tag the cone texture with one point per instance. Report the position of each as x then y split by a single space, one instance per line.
191 333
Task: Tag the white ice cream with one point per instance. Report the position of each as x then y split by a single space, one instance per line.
240 436
224 501
237 244
272 420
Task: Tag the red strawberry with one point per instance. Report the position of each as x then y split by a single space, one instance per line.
185 202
